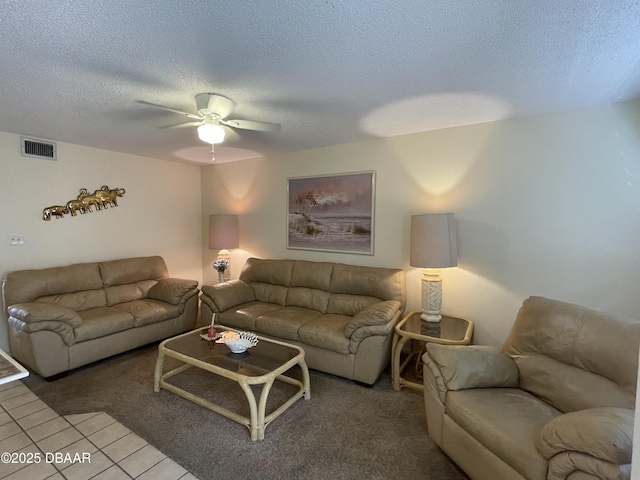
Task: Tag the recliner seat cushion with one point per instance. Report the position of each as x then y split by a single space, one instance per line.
507 421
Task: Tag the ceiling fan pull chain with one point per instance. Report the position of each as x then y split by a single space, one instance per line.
213 153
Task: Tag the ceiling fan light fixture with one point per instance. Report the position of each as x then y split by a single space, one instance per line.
211 133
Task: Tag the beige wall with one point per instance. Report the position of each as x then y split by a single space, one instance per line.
546 205
158 215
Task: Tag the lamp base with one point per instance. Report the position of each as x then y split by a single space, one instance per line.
226 255
431 295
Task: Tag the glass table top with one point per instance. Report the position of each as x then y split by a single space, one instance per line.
448 328
265 356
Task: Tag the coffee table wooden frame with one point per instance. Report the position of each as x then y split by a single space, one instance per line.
258 421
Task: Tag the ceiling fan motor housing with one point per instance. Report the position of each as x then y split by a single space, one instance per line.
214 104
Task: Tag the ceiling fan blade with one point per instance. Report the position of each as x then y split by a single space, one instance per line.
252 125
169 109
181 125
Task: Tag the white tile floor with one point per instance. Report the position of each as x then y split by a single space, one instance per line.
36 444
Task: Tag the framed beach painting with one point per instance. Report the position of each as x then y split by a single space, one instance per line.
332 213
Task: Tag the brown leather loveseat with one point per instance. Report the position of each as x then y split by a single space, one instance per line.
64 317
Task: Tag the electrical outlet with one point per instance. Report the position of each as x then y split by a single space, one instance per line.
16 239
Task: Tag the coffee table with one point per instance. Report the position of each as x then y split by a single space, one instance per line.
261 365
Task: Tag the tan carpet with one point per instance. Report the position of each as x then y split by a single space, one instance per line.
346 430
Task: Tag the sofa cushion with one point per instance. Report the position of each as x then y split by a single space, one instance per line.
488 416
315 275
382 283
129 292
274 272
285 322
27 285
131 270
266 292
244 316
102 321
149 311
171 290
311 298
77 301
326 332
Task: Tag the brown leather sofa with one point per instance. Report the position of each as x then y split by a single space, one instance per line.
341 315
556 402
64 317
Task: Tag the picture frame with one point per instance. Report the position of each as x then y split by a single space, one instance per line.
333 213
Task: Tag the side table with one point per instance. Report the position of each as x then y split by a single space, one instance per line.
448 331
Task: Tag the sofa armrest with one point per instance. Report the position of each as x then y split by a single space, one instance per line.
225 295
33 317
605 433
34 312
173 290
462 367
380 313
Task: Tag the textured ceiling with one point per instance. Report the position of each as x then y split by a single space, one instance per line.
328 71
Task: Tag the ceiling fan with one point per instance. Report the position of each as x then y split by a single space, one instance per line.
213 110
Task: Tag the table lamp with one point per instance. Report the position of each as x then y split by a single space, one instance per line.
433 246
223 235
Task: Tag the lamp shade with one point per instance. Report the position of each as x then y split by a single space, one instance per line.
433 241
211 133
223 232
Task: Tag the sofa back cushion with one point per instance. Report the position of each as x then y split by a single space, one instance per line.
132 270
270 279
52 284
77 301
573 357
323 286
310 283
354 288
128 292
273 272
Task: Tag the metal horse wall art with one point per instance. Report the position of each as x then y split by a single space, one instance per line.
84 203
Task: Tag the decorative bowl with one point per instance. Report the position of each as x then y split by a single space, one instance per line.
239 342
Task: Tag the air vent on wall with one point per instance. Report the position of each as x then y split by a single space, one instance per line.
36 148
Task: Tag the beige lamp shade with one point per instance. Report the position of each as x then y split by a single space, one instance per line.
223 232
433 241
